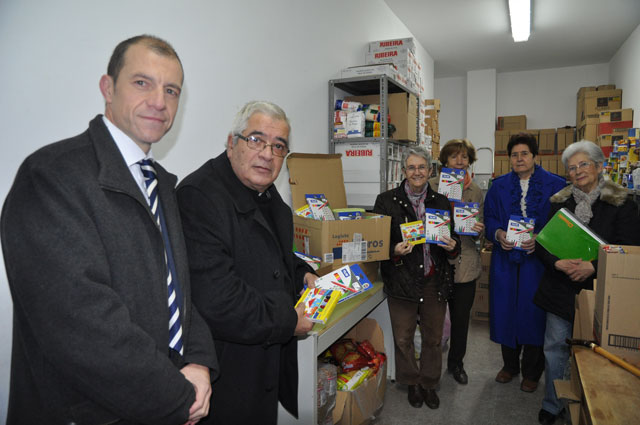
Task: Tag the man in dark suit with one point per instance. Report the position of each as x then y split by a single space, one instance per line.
245 276
104 330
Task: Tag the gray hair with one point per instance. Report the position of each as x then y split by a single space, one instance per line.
417 151
592 150
241 120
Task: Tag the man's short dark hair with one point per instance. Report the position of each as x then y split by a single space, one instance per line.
156 44
523 139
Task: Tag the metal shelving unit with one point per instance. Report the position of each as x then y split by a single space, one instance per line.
364 157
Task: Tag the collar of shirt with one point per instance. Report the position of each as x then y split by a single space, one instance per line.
131 153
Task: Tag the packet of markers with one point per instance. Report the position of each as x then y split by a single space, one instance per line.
333 288
356 362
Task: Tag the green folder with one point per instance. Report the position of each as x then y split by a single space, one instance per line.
567 238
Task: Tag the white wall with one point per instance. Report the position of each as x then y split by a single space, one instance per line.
280 50
624 69
547 96
452 92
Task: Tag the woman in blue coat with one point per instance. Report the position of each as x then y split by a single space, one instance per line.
516 323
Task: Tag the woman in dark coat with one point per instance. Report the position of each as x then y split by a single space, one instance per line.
610 212
412 279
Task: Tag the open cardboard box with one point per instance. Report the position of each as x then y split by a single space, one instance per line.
361 405
322 173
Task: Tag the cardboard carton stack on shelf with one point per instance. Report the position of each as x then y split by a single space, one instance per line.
601 119
430 109
506 126
564 137
590 102
401 52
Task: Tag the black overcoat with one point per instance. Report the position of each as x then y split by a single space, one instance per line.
615 219
245 281
85 264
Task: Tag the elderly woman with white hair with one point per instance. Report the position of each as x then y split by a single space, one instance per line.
608 210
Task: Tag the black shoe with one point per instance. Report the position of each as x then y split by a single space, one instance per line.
546 418
459 375
430 398
415 397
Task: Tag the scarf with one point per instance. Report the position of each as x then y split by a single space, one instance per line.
467 179
417 202
585 200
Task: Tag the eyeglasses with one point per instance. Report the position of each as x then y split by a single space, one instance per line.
257 144
412 168
581 166
522 154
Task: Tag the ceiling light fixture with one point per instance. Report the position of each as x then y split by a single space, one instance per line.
520 12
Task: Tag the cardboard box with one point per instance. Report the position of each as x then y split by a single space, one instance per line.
606 87
535 133
325 239
590 105
608 140
583 319
613 127
502 139
617 317
512 122
485 263
547 141
385 45
435 103
564 137
361 405
583 90
561 170
480 308
616 115
589 130
403 113
501 165
549 163
363 70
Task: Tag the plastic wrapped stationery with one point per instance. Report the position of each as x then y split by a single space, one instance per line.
311 260
350 280
413 232
451 183
520 230
319 206
437 224
319 303
465 216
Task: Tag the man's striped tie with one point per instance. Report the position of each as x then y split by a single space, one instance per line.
151 184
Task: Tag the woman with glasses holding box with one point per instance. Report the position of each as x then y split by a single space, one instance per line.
415 279
460 154
607 209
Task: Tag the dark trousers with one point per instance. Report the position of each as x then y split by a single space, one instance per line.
404 315
459 309
532 361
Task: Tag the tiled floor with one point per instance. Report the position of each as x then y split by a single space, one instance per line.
482 401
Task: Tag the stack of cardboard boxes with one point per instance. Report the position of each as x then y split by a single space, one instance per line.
551 144
430 109
480 308
506 126
401 52
599 117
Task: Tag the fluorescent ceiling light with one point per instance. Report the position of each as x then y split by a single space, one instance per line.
520 12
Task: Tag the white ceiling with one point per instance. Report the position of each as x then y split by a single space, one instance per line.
464 35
